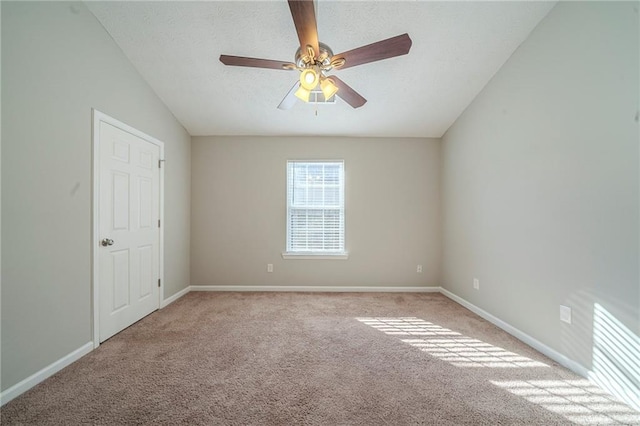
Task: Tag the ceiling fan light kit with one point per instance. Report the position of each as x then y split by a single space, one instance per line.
315 59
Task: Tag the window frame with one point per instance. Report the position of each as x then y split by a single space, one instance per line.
315 255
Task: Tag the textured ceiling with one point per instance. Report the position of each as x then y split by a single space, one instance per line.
457 48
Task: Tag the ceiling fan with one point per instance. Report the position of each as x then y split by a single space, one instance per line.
315 59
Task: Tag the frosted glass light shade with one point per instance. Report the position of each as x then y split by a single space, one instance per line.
328 88
303 94
309 79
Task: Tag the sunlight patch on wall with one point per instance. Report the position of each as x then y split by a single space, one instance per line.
616 357
448 345
579 401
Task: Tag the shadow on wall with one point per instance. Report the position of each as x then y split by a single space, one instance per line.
578 400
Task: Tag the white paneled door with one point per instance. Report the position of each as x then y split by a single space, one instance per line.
128 228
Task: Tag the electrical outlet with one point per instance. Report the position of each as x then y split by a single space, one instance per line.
419 269
565 314
269 267
476 284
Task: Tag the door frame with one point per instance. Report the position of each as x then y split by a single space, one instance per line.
98 117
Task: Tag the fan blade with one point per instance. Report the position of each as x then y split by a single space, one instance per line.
290 98
347 94
384 49
304 18
241 61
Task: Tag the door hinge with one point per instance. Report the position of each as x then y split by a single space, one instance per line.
158 282
160 163
158 223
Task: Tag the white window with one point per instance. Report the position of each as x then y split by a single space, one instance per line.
315 209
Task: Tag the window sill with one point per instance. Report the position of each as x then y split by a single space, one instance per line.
315 256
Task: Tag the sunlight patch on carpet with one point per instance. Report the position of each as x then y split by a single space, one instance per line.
579 401
449 345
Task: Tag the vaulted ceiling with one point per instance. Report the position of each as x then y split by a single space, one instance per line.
457 48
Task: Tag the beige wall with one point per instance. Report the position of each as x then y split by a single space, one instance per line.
239 205
57 64
540 186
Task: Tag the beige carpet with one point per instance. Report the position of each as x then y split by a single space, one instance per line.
315 358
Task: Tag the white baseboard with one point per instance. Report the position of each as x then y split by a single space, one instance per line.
169 300
334 289
48 371
536 344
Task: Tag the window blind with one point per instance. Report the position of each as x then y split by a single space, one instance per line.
315 207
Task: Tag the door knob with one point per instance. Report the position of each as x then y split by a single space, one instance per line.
106 242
